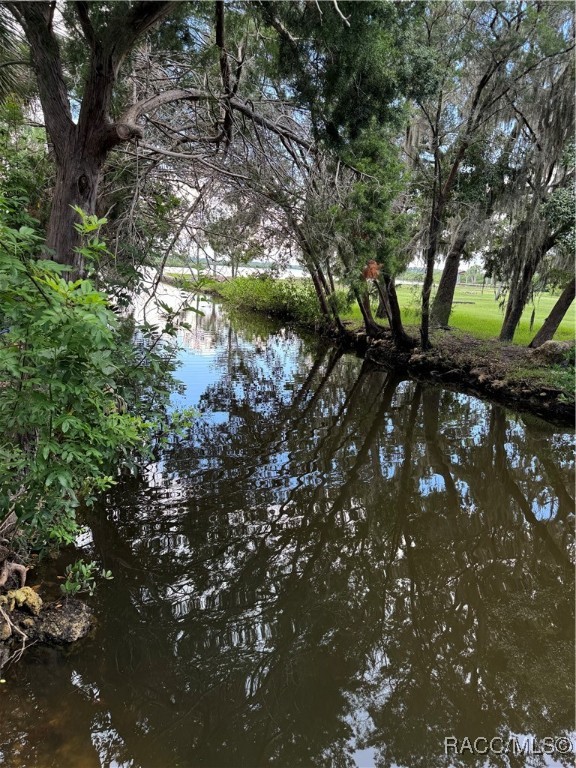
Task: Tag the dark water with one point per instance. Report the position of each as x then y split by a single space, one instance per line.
337 567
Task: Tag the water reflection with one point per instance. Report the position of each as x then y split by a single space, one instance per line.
336 567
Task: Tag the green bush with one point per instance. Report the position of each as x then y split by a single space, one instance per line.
78 400
292 299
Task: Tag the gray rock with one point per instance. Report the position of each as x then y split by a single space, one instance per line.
63 622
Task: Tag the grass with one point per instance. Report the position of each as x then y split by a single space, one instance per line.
476 311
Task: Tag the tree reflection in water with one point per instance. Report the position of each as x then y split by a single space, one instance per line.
349 560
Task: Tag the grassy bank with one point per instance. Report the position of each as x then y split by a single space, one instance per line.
475 310
291 299
469 357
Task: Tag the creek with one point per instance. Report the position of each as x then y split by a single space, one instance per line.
335 566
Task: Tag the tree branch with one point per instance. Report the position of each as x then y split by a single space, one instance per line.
152 103
224 69
339 12
85 23
128 120
197 159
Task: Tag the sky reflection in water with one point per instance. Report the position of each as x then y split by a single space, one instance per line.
336 567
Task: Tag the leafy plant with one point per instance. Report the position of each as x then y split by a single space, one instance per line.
291 299
79 400
81 577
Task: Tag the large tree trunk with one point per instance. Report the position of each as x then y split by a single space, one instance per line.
519 293
77 178
556 315
521 282
442 305
80 148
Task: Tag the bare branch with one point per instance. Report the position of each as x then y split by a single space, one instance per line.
196 158
339 12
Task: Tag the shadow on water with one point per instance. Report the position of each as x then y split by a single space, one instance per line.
336 567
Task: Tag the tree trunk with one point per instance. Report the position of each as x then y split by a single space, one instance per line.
383 306
442 305
521 282
77 179
519 293
80 148
321 286
431 251
390 301
556 315
371 326
320 294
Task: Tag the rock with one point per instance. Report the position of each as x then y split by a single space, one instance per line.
551 352
5 630
63 622
22 598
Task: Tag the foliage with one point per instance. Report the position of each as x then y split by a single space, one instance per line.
349 71
366 226
76 400
81 577
25 168
291 299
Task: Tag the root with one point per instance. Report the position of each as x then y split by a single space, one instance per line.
9 569
14 628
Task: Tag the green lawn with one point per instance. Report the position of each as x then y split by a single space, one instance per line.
476 311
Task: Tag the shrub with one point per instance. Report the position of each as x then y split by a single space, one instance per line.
70 378
292 299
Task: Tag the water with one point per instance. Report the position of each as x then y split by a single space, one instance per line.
336 567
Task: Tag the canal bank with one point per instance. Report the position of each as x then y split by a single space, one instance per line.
538 381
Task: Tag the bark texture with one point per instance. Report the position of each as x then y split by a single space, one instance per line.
80 149
556 315
521 286
389 300
442 305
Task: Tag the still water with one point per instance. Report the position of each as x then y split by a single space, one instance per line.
336 566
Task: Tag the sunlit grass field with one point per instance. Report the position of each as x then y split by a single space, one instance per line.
477 312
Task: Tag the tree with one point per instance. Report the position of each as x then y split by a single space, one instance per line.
544 224
556 315
485 54
352 66
80 147
109 32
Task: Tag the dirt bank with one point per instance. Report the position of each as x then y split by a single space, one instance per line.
538 381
